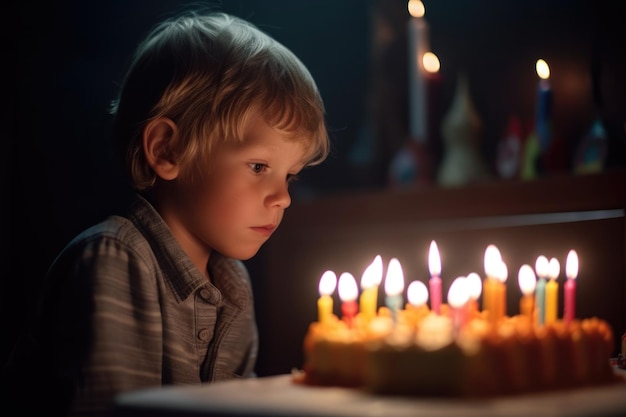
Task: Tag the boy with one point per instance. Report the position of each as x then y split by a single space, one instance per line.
213 120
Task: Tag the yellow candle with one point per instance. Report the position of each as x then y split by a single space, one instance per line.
327 285
372 276
552 288
368 302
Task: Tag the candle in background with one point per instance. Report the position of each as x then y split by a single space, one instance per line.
434 267
527 283
348 293
372 276
492 262
571 271
418 46
327 285
432 67
474 287
502 274
458 296
552 291
394 285
541 268
544 106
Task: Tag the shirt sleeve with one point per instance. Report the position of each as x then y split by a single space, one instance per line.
106 323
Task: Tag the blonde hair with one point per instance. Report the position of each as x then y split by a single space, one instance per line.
207 73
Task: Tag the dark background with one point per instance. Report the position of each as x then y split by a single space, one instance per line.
65 59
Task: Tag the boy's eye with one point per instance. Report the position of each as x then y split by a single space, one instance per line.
257 168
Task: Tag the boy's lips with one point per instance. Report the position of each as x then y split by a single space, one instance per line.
266 230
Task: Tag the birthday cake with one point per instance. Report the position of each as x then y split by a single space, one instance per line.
422 355
420 351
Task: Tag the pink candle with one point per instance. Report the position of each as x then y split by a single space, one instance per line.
434 266
458 296
569 302
348 293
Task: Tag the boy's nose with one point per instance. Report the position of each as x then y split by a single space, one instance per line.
280 197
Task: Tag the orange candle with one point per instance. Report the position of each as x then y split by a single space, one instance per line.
500 292
492 263
527 282
474 287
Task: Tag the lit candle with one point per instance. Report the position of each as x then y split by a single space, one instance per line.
348 293
458 296
372 276
432 67
541 268
502 274
544 105
418 46
492 262
434 266
394 285
327 285
475 287
527 283
571 270
417 293
552 290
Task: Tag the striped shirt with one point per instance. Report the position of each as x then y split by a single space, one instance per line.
124 308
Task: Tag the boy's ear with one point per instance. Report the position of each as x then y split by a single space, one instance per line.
157 139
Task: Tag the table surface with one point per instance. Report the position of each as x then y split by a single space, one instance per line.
278 396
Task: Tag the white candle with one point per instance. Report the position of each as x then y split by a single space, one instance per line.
418 46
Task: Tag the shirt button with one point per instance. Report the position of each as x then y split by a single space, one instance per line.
204 335
205 294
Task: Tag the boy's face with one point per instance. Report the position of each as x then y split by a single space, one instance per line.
240 201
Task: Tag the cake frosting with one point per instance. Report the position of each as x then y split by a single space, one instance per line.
418 352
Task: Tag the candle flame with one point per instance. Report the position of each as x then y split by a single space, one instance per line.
571 265
417 293
328 282
348 290
542 266
394 281
474 284
434 260
431 62
543 70
458 294
502 272
527 279
373 274
554 268
416 8
492 259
